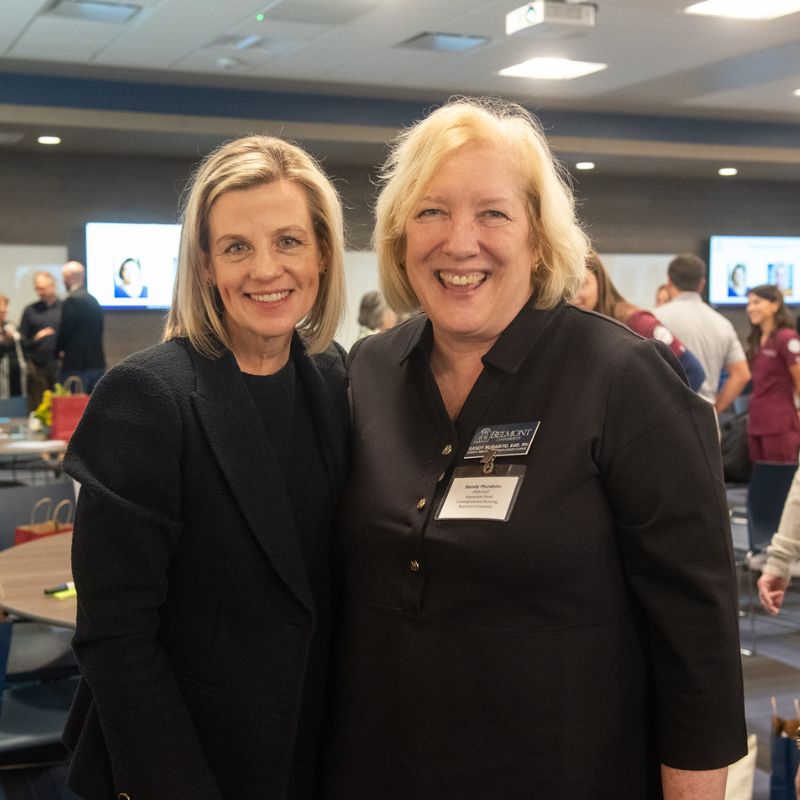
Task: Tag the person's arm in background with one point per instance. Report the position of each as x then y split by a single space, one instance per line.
66 327
695 373
783 550
683 784
738 376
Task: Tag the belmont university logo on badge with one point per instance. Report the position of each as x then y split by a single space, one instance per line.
510 439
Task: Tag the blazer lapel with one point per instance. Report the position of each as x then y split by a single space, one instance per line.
248 461
325 389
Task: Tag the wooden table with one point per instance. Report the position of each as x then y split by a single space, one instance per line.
26 570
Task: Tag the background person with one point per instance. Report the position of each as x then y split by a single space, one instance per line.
774 355
710 336
783 551
38 326
483 630
210 469
79 340
598 293
662 295
374 315
12 360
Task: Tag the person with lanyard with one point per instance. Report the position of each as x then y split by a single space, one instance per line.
534 604
211 467
774 355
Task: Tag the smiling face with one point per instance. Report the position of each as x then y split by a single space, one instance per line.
265 261
761 311
468 251
587 296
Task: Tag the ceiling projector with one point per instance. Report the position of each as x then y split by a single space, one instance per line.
549 13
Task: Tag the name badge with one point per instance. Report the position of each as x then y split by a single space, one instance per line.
512 439
472 494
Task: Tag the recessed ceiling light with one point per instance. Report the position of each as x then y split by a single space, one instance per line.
553 69
728 171
796 92
585 165
745 9
49 140
446 42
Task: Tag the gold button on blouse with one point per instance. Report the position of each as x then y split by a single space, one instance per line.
421 504
447 449
414 566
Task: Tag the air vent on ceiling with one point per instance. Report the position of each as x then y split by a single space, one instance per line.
444 42
94 11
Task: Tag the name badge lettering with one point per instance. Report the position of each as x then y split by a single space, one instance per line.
474 495
510 439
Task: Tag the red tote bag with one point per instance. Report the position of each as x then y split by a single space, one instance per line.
68 410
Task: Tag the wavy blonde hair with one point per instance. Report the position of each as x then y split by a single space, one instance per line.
420 150
243 164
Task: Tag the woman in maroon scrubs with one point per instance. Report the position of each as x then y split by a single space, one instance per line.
774 355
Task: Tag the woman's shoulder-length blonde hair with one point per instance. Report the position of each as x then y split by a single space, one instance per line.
419 151
243 164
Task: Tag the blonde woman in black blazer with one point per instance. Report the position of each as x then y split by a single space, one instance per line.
211 467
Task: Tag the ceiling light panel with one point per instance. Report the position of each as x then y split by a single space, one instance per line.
552 69
95 11
444 42
745 9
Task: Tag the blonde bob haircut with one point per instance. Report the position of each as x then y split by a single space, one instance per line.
243 164
418 152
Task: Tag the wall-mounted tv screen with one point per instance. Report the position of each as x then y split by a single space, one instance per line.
131 265
737 263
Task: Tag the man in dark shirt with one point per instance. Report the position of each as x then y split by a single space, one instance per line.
79 341
38 328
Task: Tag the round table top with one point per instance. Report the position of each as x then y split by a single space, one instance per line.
27 447
26 570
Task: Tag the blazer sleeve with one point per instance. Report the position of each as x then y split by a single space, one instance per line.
126 454
661 467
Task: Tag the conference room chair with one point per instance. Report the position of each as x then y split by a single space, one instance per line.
14 407
32 714
766 495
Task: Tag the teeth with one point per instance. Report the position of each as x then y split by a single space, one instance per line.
472 279
273 297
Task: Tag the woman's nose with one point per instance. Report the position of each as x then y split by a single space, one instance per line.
462 238
266 264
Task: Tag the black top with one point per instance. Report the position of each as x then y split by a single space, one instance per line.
80 334
474 654
35 317
282 406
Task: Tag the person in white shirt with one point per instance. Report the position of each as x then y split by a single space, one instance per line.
709 335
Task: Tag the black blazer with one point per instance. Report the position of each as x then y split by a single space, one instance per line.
194 611
80 332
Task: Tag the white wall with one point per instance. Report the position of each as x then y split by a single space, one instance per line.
18 263
361 275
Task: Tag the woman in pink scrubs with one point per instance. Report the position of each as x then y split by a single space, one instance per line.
774 355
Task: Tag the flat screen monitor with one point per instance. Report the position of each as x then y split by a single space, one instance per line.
131 265
738 263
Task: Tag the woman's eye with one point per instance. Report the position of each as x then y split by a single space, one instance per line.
429 213
494 214
235 249
288 241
